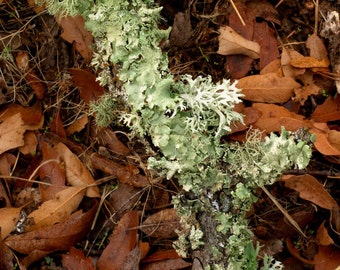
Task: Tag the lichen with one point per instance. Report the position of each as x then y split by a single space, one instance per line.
186 120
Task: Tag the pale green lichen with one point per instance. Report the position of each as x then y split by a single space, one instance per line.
186 120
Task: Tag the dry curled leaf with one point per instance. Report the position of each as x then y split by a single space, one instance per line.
268 88
328 111
230 42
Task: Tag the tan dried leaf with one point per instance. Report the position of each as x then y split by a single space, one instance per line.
58 209
76 173
9 218
230 42
12 133
268 88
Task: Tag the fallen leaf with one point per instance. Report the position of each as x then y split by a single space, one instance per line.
50 172
295 252
39 243
322 236
89 87
160 255
76 173
265 10
162 225
124 237
334 138
327 258
309 88
250 116
9 218
287 69
310 189
108 138
58 209
274 117
7 257
230 42
268 88
273 67
322 143
74 31
76 260
12 133
309 62
77 125
317 48
32 116
30 143
56 125
328 111
265 36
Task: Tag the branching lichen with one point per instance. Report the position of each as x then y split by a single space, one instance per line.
186 120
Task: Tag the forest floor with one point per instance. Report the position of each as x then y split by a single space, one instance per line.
50 143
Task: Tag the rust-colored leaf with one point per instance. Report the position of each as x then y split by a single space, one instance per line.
322 236
309 88
51 172
76 260
76 173
328 111
287 69
9 218
322 143
89 87
162 224
122 241
39 243
109 139
268 88
7 257
160 255
327 258
77 125
56 125
310 189
57 209
251 115
295 252
74 32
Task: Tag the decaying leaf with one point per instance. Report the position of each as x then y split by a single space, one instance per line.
9 218
75 32
230 42
122 241
76 173
309 62
162 224
30 143
287 69
39 243
309 88
327 258
317 48
77 125
310 189
322 143
268 88
58 209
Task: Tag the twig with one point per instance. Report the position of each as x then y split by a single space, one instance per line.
237 12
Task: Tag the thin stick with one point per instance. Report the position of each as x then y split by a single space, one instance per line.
284 212
238 13
316 23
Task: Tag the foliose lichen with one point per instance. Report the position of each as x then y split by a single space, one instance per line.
186 120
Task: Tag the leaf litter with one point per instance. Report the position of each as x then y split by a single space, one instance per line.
50 144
